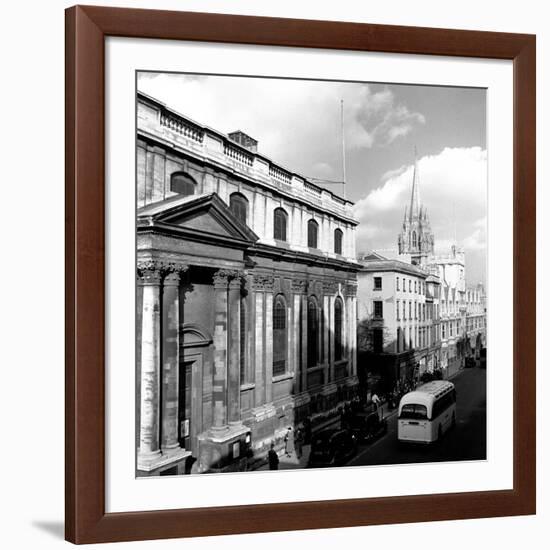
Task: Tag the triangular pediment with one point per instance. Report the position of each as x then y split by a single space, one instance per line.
197 215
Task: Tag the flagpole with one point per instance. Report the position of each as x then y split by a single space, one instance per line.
343 150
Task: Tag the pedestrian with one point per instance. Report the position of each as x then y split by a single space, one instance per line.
298 442
273 458
289 442
376 401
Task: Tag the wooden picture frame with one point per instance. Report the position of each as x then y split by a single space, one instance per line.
86 30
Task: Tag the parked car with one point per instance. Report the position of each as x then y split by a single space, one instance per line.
332 447
470 362
368 425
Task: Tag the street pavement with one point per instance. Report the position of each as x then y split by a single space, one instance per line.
466 442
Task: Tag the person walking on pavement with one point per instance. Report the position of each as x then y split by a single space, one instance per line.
273 458
298 442
376 401
289 442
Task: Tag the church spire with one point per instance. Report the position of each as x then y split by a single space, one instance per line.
415 194
416 238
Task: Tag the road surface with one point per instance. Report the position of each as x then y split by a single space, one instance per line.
466 442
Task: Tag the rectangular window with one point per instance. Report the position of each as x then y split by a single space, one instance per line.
397 309
397 283
404 310
378 283
410 309
415 287
404 287
378 310
410 285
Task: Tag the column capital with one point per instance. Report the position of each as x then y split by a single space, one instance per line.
330 287
173 274
153 271
350 290
263 281
223 277
299 286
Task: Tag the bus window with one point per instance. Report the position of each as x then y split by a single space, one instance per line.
414 411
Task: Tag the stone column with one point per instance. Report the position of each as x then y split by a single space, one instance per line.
234 351
327 313
296 337
259 347
331 358
269 342
219 387
170 358
298 289
303 372
351 313
150 280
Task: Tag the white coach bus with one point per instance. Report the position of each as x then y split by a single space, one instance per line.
427 413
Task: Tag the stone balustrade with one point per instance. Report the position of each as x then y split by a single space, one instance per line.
159 121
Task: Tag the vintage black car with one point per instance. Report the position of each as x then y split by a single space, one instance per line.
332 448
368 425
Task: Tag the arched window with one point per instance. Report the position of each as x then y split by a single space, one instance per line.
279 336
338 328
312 333
182 183
239 206
338 238
414 239
244 340
312 233
279 224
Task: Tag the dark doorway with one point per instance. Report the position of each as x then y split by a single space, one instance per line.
184 404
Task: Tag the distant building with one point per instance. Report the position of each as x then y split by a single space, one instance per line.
246 297
404 347
398 320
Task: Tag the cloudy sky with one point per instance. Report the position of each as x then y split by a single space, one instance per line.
298 124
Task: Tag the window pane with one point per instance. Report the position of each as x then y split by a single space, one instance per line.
338 237
239 206
312 334
279 224
312 231
182 184
279 337
338 329
413 411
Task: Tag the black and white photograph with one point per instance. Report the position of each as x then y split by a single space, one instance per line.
310 274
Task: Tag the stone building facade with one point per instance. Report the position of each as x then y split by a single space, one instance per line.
398 320
246 298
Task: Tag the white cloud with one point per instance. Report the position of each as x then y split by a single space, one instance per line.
453 188
297 122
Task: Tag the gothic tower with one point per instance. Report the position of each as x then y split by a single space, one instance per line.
416 238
